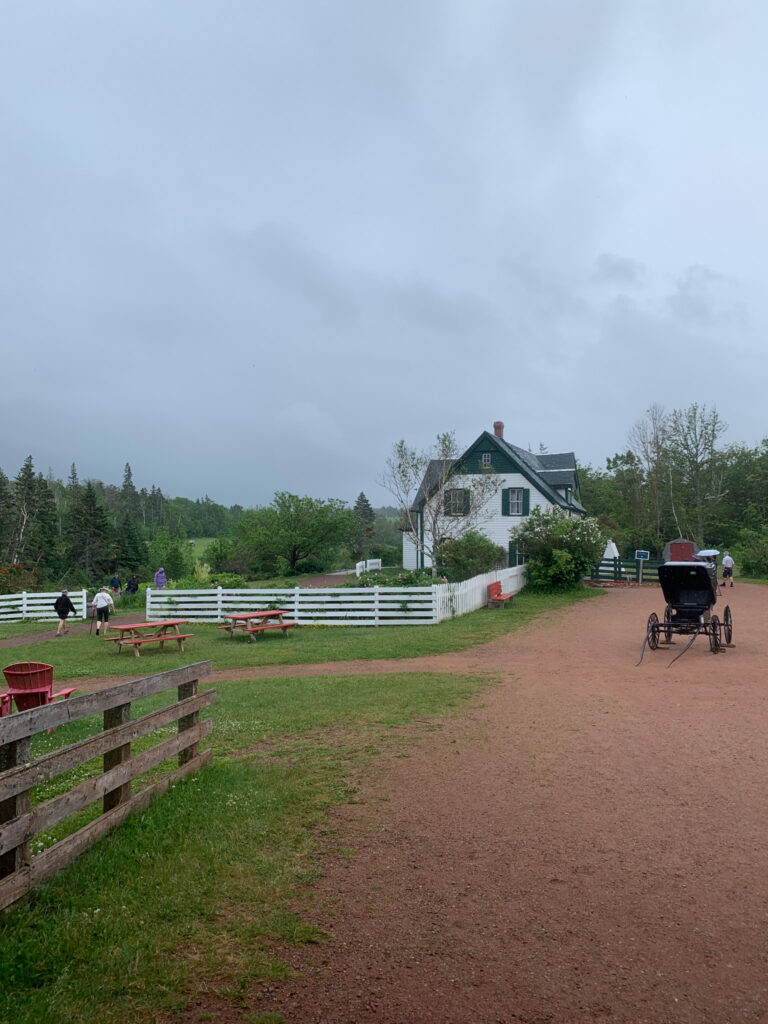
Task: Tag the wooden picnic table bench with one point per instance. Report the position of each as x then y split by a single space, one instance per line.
495 597
135 634
240 622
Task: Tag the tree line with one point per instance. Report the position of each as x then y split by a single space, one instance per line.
76 533
676 479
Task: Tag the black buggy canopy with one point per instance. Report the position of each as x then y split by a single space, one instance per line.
688 586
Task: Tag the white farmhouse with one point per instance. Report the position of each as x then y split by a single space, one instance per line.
527 481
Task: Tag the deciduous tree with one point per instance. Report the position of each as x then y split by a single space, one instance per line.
422 483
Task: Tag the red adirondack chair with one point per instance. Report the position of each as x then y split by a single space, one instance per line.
30 685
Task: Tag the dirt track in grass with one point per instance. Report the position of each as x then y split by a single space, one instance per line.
587 842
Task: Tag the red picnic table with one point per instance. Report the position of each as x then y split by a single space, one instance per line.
134 634
240 622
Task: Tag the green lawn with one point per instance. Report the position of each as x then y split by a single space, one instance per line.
83 656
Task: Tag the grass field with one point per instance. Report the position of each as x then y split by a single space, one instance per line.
201 889
82 656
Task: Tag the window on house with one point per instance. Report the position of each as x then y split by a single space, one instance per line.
516 555
486 460
457 502
515 501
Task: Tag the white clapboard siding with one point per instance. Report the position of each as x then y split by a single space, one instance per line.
16 607
338 606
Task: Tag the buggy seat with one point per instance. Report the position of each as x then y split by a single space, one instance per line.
689 589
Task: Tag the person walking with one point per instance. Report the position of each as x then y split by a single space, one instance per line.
102 603
115 585
728 564
63 606
160 578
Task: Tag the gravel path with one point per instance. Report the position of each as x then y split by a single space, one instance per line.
589 843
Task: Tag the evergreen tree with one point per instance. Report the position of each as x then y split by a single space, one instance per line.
130 548
364 520
6 518
87 535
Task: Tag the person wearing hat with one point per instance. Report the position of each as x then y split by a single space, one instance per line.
63 606
102 603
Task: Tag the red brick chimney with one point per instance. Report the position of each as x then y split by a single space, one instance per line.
498 429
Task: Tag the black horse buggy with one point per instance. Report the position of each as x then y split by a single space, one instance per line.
690 590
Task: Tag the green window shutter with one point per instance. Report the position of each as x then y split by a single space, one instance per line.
505 501
526 501
465 502
512 555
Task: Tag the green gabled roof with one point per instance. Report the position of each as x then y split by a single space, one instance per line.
545 472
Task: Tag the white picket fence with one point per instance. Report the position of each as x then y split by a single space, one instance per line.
338 606
15 607
369 563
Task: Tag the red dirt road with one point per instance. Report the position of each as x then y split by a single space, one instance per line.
589 843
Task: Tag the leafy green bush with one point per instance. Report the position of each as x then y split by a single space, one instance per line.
14 579
559 550
469 555
751 555
399 578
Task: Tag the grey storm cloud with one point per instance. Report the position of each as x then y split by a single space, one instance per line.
247 248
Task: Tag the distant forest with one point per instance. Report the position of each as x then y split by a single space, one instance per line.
78 533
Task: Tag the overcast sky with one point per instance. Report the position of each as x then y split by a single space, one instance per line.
246 246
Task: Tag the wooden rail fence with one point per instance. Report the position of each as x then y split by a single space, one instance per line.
19 774
624 570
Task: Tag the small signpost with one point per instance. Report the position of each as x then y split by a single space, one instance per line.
640 557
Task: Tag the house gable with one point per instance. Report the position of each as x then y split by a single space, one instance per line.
506 458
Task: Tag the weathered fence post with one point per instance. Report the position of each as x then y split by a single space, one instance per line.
113 717
188 721
220 605
11 756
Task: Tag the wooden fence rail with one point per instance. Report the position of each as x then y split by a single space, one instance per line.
624 570
19 773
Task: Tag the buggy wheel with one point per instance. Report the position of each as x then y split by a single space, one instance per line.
715 638
668 624
727 624
653 631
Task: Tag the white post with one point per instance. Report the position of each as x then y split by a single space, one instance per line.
84 597
376 605
23 604
296 597
220 604
148 612
435 612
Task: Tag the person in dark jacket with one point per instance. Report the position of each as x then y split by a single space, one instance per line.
132 586
63 606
